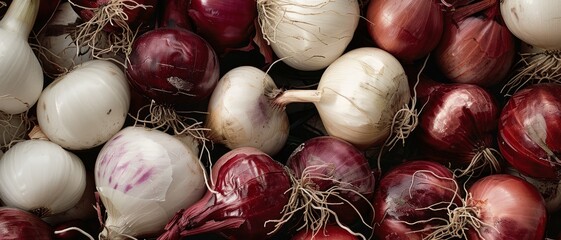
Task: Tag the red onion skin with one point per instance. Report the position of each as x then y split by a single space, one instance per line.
409 30
136 16
225 24
530 116
510 205
458 121
477 50
399 195
350 166
251 190
16 224
173 66
174 14
330 232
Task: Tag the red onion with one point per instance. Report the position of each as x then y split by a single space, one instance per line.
478 49
329 232
333 183
413 199
530 129
248 189
458 126
225 24
409 30
16 224
174 14
549 189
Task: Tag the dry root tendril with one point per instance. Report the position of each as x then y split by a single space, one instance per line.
486 157
20 130
534 68
314 205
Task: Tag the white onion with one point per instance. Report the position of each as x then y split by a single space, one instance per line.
144 177
308 34
240 113
86 107
41 177
358 96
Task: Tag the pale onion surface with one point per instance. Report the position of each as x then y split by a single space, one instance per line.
86 107
360 94
40 176
308 34
534 22
144 177
240 113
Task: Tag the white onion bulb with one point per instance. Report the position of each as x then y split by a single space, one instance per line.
144 177
240 113
86 107
41 177
308 34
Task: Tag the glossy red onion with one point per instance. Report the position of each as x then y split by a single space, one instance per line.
173 66
135 16
530 131
403 195
174 14
225 24
408 29
508 207
249 189
16 224
458 126
478 49
330 232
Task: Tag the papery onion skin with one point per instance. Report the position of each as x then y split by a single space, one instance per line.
512 207
477 50
530 124
458 121
17 224
173 66
225 24
251 188
409 30
404 190
341 161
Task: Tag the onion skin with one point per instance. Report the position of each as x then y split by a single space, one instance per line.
409 30
330 232
397 199
476 50
225 24
86 10
509 204
174 14
16 224
530 118
173 66
458 121
250 190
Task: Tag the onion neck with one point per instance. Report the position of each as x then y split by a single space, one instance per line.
20 17
468 10
293 96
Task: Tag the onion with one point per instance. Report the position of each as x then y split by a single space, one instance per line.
308 34
248 189
550 189
46 10
86 107
329 232
528 128
41 177
240 113
478 49
458 126
143 176
412 200
225 24
174 14
409 30
16 224
358 96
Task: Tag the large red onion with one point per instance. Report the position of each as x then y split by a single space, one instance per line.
478 49
225 24
458 125
404 195
249 188
16 224
173 66
408 29
530 131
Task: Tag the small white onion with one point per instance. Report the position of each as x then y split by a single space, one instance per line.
86 107
41 177
144 177
240 113
534 22
308 34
